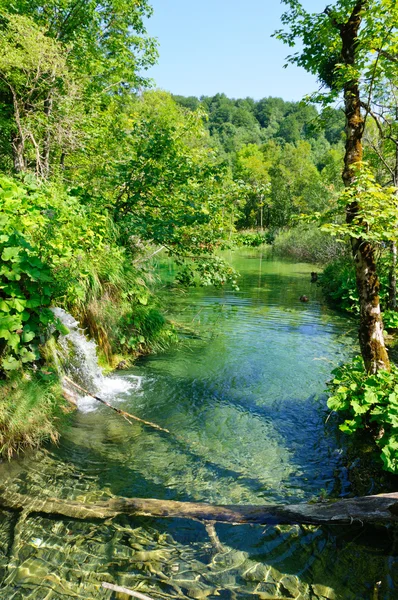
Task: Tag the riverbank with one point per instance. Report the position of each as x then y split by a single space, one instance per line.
32 411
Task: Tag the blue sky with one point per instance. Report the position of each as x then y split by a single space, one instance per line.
211 46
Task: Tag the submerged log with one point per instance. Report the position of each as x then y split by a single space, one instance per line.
369 509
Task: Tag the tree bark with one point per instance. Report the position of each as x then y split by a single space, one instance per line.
371 338
381 509
48 107
392 292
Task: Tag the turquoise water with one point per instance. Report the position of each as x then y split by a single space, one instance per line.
243 398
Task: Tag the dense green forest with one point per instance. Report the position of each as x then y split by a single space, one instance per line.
99 172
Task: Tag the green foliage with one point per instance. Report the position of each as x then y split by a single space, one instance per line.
31 411
206 271
369 402
25 283
172 185
253 239
34 77
296 185
53 250
376 214
106 39
338 283
390 319
306 243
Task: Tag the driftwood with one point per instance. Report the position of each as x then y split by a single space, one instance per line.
369 509
127 416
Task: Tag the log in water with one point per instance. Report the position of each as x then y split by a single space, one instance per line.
369 509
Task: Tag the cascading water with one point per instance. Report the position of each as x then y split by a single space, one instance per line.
77 358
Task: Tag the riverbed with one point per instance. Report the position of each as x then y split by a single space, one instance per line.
243 397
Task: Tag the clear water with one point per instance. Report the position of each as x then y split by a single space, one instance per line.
245 404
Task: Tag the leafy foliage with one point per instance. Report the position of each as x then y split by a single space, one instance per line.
339 285
253 239
369 402
376 215
307 243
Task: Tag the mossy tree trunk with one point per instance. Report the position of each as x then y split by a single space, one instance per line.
371 338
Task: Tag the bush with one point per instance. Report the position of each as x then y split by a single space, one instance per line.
369 402
306 243
56 251
338 283
50 253
253 238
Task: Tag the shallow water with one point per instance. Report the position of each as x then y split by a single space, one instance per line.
245 405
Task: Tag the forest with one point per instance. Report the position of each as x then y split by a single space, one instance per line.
108 183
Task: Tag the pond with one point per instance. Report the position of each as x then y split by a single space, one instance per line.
243 397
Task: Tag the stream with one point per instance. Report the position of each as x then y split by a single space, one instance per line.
243 397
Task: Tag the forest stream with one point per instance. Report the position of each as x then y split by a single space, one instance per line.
243 397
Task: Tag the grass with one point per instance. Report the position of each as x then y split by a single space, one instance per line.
306 243
31 412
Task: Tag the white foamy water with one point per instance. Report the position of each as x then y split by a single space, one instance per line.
79 361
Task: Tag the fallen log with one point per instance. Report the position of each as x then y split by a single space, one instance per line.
381 509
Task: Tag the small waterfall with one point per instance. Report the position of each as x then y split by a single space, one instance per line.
77 358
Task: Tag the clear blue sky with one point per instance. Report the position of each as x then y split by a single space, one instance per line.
210 46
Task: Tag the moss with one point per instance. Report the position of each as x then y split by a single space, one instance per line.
32 411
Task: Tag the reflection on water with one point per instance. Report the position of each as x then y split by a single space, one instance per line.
246 409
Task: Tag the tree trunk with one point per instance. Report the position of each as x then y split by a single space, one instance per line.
392 292
370 509
371 338
48 107
18 140
18 150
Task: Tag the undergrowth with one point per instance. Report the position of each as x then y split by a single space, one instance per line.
368 403
32 410
306 243
253 238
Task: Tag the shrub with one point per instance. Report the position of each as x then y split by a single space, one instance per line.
369 402
56 251
307 243
338 283
253 238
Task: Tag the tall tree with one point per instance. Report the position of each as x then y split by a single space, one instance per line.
87 54
36 91
336 47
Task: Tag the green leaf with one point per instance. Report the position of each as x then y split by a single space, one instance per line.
27 336
10 253
9 363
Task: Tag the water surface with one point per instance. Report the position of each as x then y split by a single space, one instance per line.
243 398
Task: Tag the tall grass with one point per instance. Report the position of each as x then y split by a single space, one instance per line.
307 243
31 412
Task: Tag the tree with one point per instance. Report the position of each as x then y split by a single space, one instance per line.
296 184
88 56
170 190
36 90
336 47
107 38
252 168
